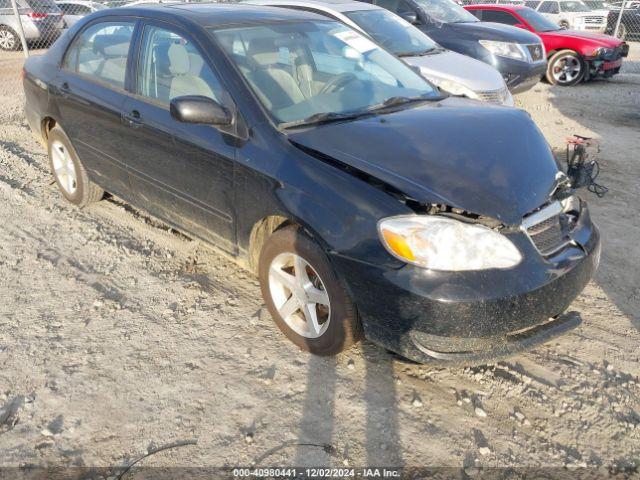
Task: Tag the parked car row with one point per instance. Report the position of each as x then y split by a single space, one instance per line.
428 34
573 56
367 201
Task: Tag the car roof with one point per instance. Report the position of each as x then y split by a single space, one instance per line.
335 5
216 14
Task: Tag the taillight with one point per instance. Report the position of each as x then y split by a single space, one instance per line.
37 15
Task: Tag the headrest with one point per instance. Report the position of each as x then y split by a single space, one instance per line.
263 52
179 63
111 45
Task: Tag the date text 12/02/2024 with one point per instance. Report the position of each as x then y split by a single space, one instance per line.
372 472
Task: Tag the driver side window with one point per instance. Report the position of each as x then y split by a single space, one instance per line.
171 66
549 7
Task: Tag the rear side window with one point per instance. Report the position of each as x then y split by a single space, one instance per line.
100 52
498 16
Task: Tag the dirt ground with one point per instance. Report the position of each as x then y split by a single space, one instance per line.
118 335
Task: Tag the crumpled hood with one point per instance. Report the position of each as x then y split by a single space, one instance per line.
448 65
489 160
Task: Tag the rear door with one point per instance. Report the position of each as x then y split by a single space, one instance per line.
91 94
181 172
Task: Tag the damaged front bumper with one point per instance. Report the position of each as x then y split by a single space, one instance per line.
475 316
607 63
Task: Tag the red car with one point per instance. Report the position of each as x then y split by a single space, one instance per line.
572 56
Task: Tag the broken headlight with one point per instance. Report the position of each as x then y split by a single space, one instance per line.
603 52
455 88
441 243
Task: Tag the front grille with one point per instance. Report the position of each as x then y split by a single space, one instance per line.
594 20
493 96
545 229
536 51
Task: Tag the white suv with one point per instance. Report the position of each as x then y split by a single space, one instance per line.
571 14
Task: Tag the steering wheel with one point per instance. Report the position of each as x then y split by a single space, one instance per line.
338 82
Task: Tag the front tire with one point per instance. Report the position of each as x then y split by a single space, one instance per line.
70 175
622 32
306 299
9 40
566 68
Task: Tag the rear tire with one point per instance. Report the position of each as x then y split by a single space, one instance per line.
566 68
68 172
289 257
9 40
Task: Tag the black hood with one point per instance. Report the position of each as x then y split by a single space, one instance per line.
489 160
490 31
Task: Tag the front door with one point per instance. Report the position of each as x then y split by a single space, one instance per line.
180 172
90 97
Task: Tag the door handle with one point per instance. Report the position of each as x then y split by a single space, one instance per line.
64 89
132 119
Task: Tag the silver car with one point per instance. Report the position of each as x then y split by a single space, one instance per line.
454 73
74 10
41 21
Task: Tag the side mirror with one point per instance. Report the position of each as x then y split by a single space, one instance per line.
411 17
199 109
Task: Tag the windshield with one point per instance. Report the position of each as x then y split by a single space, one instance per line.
302 69
596 5
392 32
538 22
446 11
574 6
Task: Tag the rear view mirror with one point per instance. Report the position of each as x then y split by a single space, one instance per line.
199 109
410 17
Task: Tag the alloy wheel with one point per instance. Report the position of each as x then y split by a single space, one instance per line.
566 69
7 40
299 295
64 168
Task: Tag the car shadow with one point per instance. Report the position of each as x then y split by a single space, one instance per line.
318 426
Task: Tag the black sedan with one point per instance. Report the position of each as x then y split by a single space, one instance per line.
628 26
327 166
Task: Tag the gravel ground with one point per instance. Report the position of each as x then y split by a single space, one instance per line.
118 335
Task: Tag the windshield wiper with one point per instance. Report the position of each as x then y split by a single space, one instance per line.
397 101
325 117
420 53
